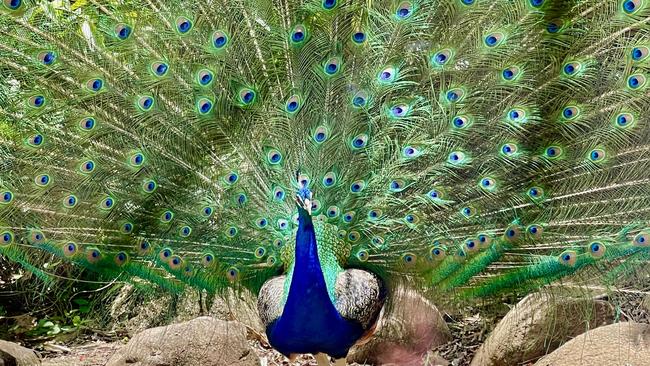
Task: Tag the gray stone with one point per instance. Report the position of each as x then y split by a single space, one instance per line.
202 341
405 334
12 354
539 324
615 344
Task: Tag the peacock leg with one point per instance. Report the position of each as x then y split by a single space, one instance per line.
322 359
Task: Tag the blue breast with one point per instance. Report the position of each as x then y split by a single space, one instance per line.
309 322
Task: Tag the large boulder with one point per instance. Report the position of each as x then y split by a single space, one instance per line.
12 354
412 327
165 308
239 305
202 341
537 325
615 344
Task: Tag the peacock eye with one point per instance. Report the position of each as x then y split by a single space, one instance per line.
484 240
122 31
357 186
166 216
246 96
441 57
120 258
36 101
185 231
145 103
232 273
437 253
512 233
87 123
6 197
642 239
568 258
362 255
517 115
509 149
298 35
219 39
6 237
42 180
358 37
127 228
93 255
409 258
571 68
536 193
387 75
510 73
183 25
597 249
95 85
631 6
553 152
36 140
260 252
493 39
404 10
488 183
207 260
204 106
636 81
207 211
332 66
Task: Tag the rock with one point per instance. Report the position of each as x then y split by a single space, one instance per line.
165 308
405 334
537 325
203 341
12 354
237 305
135 310
615 344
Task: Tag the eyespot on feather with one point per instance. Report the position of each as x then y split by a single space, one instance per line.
70 201
220 40
42 180
642 239
232 274
568 258
6 197
596 249
437 253
183 25
69 249
512 233
6 238
122 31
93 255
47 57
121 259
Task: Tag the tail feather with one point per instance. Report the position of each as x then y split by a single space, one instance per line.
453 144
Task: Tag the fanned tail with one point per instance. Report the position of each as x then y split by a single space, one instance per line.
455 144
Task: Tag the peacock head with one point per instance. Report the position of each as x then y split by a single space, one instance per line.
303 196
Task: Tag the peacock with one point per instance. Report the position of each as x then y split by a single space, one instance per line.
323 153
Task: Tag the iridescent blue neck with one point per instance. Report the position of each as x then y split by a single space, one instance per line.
307 279
309 322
